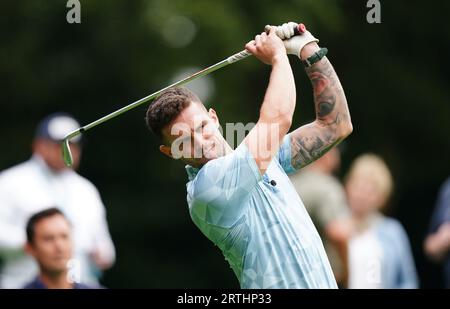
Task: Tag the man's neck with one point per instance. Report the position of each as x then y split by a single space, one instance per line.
55 281
364 221
45 165
227 148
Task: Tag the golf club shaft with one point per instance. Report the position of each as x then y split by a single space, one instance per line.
232 59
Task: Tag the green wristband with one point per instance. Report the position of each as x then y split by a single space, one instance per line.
315 57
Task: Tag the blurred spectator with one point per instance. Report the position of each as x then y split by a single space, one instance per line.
379 251
437 243
49 241
325 200
44 180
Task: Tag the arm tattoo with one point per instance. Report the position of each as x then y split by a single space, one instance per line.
311 141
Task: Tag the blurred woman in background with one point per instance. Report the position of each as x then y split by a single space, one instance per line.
379 251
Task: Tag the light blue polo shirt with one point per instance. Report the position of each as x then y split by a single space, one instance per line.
262 229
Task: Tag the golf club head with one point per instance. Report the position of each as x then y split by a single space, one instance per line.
67 154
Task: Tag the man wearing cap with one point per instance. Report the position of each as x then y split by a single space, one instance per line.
43 181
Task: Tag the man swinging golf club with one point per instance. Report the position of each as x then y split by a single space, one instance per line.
242 199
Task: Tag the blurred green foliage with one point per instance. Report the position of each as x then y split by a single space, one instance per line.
395 75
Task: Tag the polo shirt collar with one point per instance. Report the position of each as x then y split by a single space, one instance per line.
191 171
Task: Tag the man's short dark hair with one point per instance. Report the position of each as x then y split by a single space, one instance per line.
34 219
167 106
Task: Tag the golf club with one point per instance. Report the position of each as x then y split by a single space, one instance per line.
67 155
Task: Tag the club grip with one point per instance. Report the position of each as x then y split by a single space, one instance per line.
300 29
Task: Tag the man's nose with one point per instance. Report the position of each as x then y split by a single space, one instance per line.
198 137
61 243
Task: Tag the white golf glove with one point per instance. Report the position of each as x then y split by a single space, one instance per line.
293 44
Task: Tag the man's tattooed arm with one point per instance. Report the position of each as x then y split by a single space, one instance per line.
332 124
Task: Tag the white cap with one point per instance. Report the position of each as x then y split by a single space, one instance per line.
56 127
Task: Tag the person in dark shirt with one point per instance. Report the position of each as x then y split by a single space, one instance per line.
49 241
437 243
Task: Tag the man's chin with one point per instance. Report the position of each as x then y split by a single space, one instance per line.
198 162
55 269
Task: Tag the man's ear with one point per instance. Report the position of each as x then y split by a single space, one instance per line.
166 150
212 113
28 248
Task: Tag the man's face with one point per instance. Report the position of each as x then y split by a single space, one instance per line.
51 152
52 244
194 136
